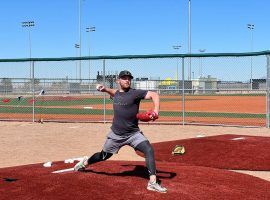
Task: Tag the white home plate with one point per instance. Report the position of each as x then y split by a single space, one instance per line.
239 138
63 170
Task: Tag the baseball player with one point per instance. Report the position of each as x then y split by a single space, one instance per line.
125 130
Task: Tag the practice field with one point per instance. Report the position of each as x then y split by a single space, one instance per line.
26 146
243 110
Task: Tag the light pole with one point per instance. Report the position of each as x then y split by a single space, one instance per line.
189 37
200 70
77 46
80 41
251 28
177 47
89 30
28 25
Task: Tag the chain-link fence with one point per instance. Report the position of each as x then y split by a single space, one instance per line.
216 89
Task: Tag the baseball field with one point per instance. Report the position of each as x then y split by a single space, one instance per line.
96 96
241 110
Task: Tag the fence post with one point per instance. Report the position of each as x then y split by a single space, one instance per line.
104 95
183 91
33 91
267 91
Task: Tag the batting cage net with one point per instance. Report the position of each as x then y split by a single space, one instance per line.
210 89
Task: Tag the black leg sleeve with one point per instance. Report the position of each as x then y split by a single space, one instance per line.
146 148
99 156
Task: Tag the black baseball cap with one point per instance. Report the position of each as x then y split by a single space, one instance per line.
125 73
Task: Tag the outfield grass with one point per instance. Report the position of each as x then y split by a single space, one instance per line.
77 111
25 106
83 101
41 102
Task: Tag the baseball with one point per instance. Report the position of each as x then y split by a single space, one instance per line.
99 87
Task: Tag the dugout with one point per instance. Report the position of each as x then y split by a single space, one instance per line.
259 84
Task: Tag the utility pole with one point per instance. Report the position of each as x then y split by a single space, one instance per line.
251 28
28 25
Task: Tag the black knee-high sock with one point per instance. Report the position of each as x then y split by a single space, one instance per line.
146 148
99 156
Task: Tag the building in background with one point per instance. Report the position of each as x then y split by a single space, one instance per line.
204 85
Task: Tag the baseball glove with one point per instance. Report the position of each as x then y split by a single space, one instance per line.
147 116
178 150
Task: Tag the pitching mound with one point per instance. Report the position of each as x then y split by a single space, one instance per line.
239 152
127 180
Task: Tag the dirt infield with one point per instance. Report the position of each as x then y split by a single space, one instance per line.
234 104
27 143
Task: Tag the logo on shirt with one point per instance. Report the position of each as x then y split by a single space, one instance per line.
118 100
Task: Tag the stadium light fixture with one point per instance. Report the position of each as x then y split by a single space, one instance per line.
177 47
90 29
200 70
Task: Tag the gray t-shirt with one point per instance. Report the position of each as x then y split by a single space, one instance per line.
126 106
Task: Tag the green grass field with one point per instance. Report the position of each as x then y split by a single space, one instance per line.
25 106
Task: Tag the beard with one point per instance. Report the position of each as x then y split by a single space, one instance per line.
125 86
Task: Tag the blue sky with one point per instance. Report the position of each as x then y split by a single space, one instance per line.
125 27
